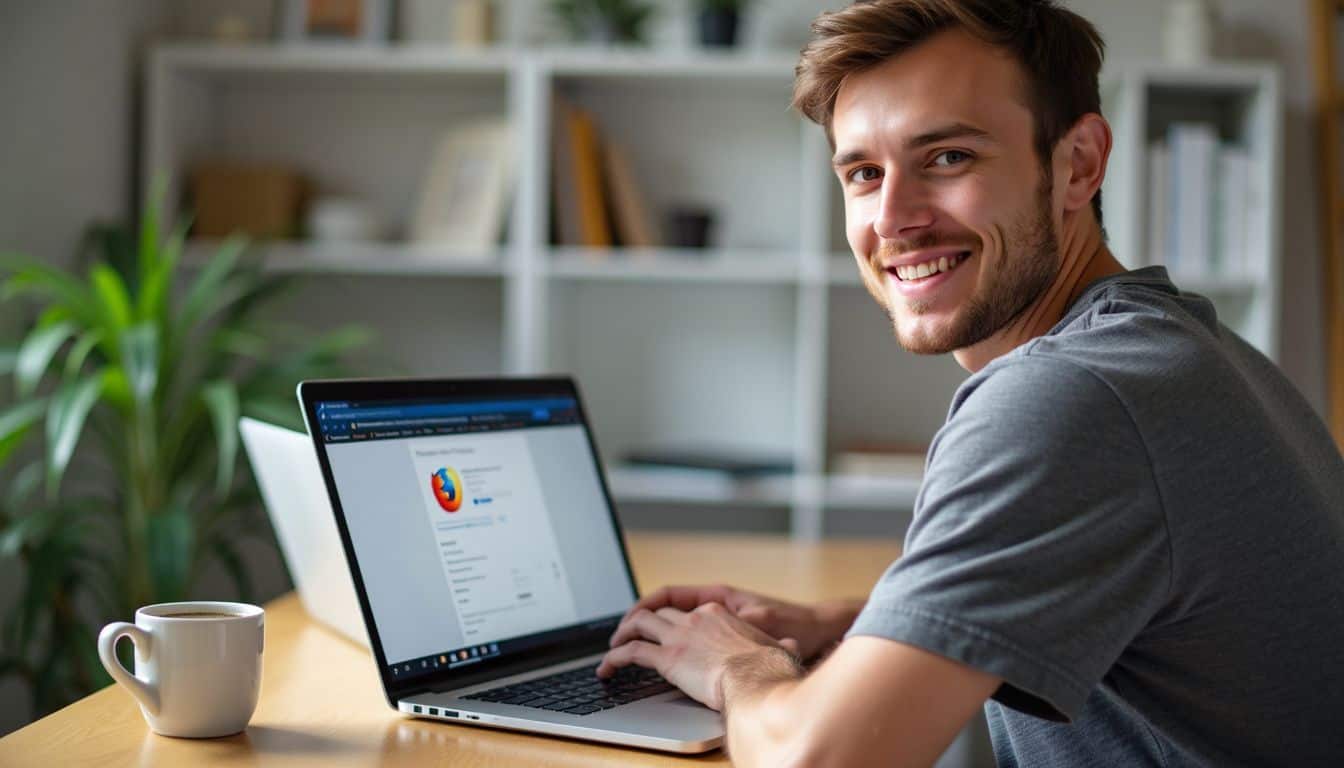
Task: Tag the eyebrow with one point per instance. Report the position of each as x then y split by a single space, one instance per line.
942 133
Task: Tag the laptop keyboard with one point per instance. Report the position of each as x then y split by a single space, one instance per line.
579 691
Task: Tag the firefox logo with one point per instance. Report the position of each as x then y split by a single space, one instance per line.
447 487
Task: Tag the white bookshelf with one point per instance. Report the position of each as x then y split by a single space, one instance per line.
766 340
1243 101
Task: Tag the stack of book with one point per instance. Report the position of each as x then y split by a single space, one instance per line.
1203 210
597 202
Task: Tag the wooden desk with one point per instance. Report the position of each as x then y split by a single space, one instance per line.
321 703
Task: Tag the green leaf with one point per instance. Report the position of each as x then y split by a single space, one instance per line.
15 422
153 300
149 228
32 528
221 398
233 563
22 485
79 352
65 423
53 314
9 358
46 572
112 296
117 388
140 359
40 281
35 355
170 540
208 283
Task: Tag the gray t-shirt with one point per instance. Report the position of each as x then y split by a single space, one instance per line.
1138 524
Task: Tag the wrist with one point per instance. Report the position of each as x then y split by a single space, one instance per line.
750 675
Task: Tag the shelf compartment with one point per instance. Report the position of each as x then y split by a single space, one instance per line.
678 486
700 143
876 392
342 59
355 124
673 264
353 258
703 365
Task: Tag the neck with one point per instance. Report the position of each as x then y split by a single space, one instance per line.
1084 258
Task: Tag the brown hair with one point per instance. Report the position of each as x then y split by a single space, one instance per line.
1060 53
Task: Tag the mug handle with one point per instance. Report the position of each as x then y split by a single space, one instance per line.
107 653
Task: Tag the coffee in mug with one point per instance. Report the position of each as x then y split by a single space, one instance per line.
197 665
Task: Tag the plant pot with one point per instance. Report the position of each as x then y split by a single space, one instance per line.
718 27
689 227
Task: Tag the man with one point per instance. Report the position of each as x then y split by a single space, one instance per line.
1129 544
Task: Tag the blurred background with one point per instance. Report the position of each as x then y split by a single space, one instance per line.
610 188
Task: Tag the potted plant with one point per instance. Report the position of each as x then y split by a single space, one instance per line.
119 467
604 21
719 22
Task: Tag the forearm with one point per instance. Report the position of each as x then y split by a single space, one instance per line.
758 710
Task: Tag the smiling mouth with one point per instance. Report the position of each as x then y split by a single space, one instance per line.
913 273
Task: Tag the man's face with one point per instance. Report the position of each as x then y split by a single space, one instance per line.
947 208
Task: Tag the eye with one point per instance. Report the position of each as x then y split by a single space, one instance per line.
951 157
865 173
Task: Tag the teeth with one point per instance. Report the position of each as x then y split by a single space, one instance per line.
915 272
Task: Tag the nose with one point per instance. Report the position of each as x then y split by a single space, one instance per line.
903 207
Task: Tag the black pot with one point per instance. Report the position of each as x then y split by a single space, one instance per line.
689 227
718 27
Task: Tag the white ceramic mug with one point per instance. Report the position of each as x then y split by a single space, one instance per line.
197 665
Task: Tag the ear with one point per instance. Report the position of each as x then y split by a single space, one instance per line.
1088 146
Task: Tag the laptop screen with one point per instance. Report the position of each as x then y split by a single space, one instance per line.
480 526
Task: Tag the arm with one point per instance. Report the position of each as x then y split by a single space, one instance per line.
872 700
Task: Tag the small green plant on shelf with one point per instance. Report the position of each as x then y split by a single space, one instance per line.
604 21
120 478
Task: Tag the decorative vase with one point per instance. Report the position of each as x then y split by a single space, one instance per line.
718 27
1187 35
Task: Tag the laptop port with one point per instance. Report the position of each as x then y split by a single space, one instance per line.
416 709
433 710
449 713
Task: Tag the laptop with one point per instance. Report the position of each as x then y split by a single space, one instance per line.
296 499
487 559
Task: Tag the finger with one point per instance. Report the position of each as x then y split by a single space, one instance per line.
791 645
671 615
642 624
761 633
635 652
759 615
685 598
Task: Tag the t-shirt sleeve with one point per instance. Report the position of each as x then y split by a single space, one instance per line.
1039 546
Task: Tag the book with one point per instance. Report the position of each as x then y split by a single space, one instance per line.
880 461
1159 161
564 193
634 226
589 188
1189 246
737 463
1233 210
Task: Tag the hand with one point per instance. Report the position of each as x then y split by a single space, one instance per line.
807 629
693 650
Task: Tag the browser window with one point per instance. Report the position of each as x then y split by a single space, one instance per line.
477 526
